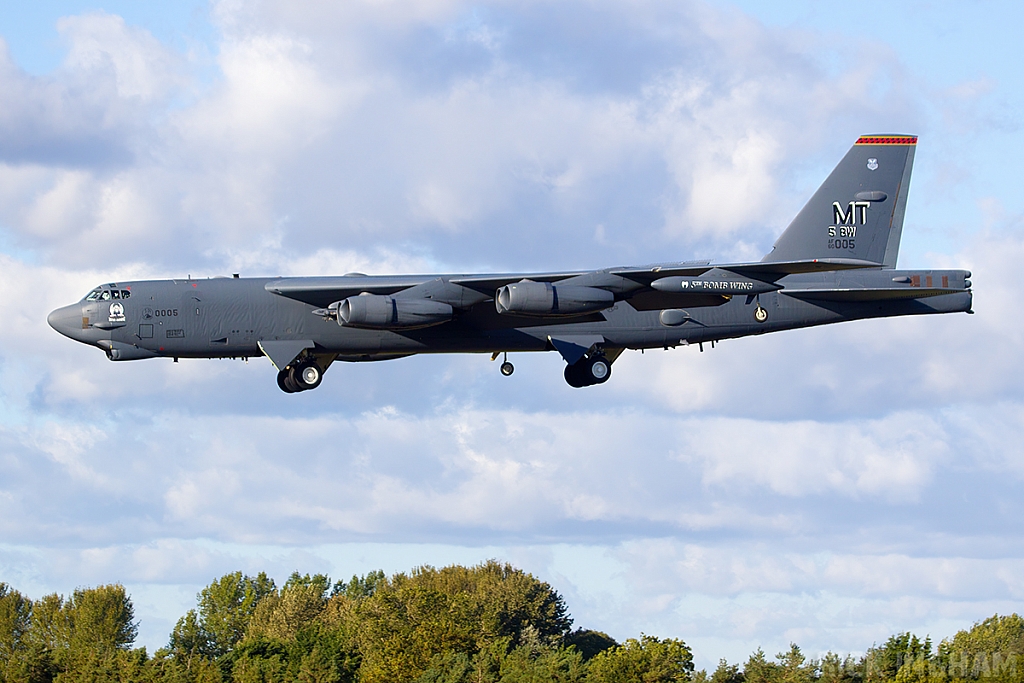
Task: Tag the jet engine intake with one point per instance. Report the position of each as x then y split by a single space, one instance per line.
378 312
527 297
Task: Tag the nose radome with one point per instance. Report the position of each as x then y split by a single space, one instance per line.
67 320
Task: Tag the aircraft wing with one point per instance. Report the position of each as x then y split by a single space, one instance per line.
323 291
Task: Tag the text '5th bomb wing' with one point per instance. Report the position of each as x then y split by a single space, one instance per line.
835 262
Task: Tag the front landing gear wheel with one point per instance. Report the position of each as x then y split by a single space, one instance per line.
507 369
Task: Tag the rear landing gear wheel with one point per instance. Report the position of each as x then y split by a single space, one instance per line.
588 371
307 376
286 383
573 377
507 369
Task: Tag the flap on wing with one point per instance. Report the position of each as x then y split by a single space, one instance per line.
574 347
283 352
869 293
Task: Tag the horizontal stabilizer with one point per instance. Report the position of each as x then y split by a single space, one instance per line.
818 265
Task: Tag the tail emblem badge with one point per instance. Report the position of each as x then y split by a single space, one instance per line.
872 164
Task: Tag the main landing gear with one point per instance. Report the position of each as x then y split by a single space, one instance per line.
589 370
302 376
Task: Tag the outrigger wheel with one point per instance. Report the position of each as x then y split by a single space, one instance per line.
587 371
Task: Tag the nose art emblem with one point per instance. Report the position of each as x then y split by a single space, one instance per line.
116 313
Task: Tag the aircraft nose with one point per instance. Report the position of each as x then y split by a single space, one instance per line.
67 320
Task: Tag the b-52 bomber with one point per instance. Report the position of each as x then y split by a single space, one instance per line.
835 262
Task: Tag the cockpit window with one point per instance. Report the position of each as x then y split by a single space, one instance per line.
107 294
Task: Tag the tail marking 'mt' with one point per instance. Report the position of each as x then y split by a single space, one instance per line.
858 211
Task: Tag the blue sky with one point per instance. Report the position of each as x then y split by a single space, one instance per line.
827 487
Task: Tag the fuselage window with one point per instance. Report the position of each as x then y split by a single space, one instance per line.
125 294
93 295
105 295
115 293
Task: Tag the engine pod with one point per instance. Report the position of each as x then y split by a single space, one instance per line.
527 297
377 312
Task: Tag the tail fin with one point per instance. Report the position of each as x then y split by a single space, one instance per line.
858 211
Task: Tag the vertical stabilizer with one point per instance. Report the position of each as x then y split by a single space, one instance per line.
858 211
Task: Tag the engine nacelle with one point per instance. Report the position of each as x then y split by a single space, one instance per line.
378 312
545 299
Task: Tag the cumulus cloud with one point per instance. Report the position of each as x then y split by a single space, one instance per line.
332 128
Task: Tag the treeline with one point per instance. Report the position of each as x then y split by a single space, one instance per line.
491 623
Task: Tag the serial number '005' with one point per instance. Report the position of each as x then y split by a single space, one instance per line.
166 312
842 244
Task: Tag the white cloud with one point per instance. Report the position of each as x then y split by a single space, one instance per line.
142 67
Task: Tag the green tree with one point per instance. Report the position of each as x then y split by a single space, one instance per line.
648 660
15 617
189 641
531 662
882 663
100 619
101 628
360 586
282 616
759 670
836 669
537 663
260 660
225 608
408 620
991 648
15 620
727 673
793 667
589 642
